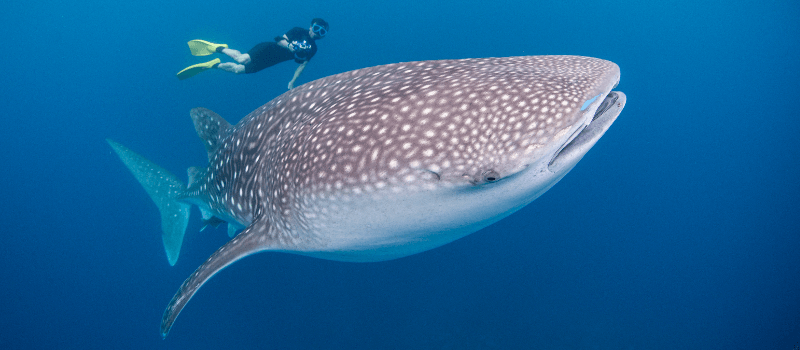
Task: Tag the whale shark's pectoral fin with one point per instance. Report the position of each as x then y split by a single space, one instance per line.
253 239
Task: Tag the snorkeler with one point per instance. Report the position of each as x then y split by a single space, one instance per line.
298 44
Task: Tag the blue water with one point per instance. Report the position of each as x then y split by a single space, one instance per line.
679 230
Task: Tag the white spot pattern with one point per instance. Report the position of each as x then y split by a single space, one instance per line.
389 127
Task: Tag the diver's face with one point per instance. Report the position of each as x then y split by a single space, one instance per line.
317 31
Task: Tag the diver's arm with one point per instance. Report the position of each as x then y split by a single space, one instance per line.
297 74
284 43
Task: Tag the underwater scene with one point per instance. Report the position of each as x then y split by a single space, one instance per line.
503 175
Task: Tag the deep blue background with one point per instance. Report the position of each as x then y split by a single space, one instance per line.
680 229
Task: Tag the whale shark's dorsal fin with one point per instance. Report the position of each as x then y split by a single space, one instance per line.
211 128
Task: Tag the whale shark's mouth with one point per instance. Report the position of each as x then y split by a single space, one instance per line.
583 139
609 101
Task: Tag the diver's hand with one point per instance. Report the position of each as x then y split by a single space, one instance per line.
298 46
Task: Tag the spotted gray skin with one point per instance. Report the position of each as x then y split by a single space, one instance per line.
389 161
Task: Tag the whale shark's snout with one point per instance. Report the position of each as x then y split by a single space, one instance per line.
574 149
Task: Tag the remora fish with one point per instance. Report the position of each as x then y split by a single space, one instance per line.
384 162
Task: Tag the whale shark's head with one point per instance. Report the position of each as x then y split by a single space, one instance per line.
431 151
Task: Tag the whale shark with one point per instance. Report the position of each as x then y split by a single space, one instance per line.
383 162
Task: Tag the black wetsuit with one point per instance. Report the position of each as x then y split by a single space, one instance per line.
268 54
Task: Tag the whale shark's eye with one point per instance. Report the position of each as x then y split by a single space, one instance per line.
490 176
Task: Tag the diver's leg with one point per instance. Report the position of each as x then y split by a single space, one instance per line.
231 67
236 55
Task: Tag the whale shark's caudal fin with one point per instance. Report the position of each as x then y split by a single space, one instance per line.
164 189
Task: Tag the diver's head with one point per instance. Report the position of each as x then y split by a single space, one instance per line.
318 29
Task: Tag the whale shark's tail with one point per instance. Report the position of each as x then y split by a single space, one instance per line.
164 189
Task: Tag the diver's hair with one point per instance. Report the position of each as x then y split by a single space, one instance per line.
321 22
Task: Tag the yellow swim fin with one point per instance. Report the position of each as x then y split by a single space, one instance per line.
192 70
204 48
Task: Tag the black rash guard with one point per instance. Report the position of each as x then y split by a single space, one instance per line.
268 54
